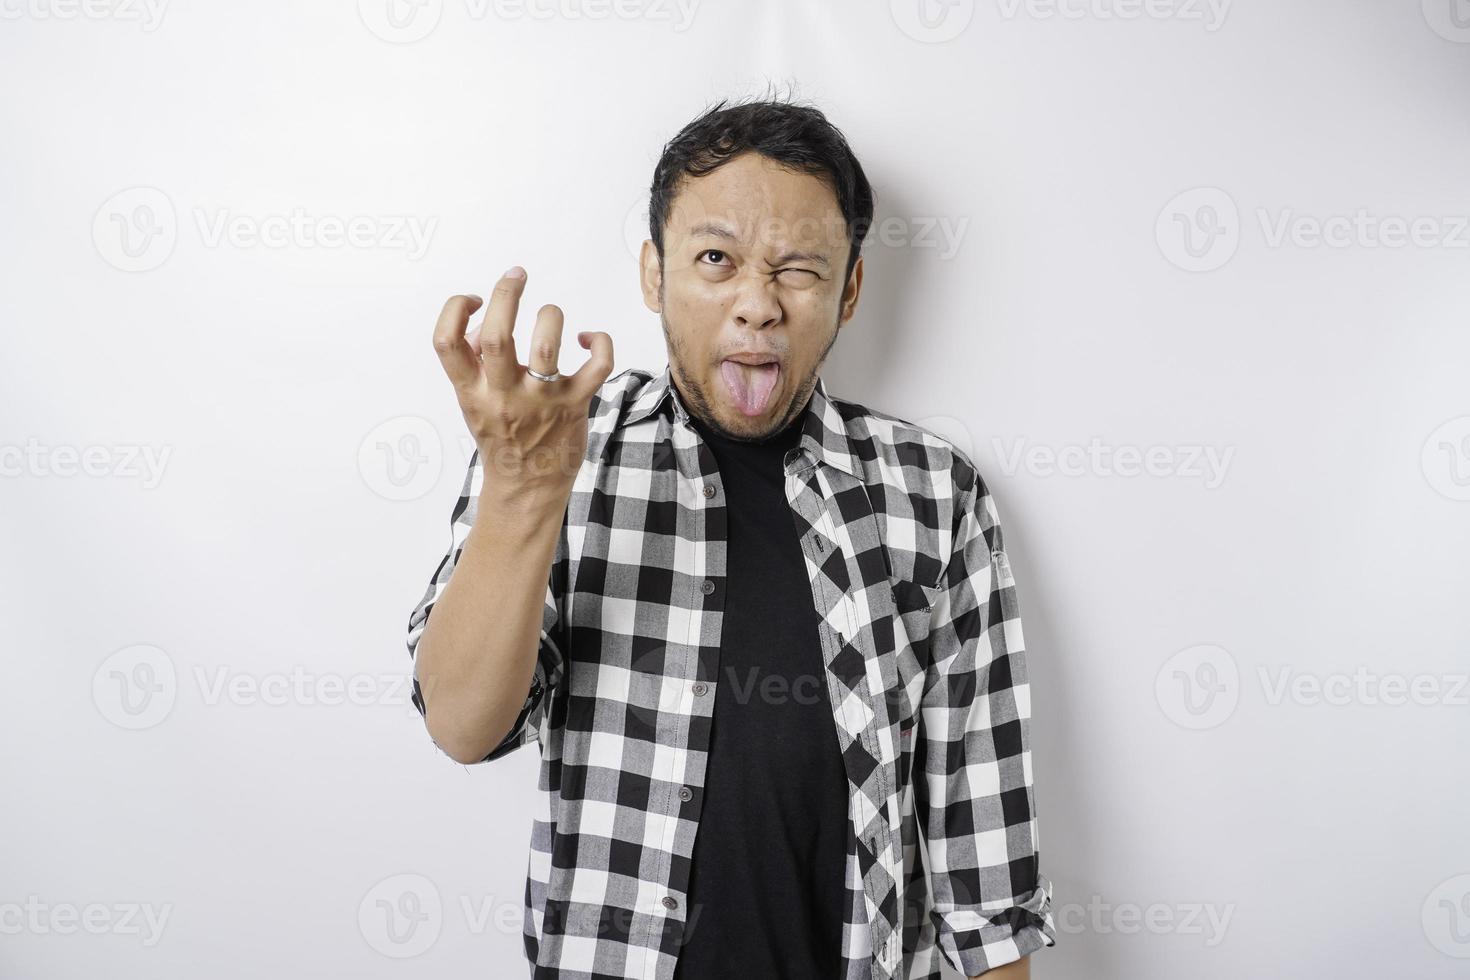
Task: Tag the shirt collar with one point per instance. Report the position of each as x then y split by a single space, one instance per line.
823 430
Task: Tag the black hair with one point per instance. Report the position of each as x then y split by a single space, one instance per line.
796 136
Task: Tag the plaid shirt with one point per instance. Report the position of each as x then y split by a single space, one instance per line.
925 672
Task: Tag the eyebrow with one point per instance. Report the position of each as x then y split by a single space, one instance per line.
712 230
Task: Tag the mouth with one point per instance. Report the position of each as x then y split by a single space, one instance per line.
750 379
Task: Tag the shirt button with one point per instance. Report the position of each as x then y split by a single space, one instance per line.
700 687
686 794
709 490
670 902
707 587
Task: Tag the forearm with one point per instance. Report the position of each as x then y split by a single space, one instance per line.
1014 970
477 655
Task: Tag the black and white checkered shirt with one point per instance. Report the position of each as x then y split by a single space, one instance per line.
925 671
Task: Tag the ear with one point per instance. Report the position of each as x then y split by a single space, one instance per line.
850 293
650 276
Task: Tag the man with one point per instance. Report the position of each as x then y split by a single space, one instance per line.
766 638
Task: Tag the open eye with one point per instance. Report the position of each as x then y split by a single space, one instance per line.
712 251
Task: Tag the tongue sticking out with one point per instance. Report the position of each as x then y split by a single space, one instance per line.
750 384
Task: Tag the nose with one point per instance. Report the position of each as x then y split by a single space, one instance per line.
756 305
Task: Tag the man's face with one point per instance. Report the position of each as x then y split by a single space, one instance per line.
754 256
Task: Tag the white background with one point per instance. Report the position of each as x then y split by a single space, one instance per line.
1035 296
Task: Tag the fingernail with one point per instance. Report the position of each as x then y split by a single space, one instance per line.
515 272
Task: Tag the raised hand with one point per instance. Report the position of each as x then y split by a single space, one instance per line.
531 434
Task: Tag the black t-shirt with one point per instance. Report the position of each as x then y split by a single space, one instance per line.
767 884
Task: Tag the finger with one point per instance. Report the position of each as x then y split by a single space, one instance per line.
546 339
460 360
591 375
496 340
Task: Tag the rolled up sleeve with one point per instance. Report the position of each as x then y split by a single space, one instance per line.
976 802
550 660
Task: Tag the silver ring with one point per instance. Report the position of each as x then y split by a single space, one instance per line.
554 376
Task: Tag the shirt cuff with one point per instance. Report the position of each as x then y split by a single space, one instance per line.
976 941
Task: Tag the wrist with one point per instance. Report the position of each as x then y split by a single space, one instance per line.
529 505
